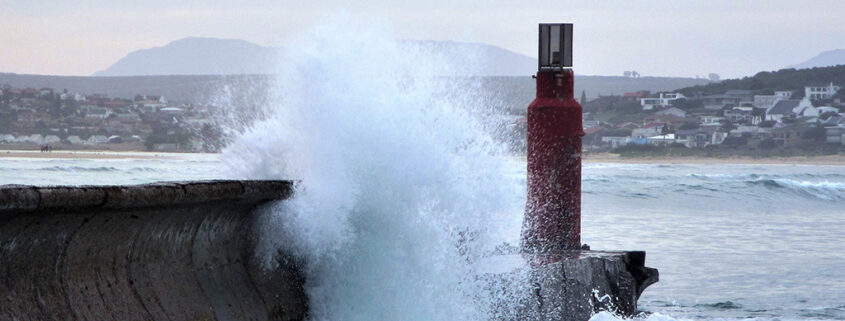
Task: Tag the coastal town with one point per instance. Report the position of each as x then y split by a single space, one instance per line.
806 121
47 118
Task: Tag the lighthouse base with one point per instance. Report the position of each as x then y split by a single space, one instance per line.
571 287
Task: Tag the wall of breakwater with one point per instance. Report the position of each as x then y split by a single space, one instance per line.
187 251
168 251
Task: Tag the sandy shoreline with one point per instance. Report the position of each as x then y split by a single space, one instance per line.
800 160
92 154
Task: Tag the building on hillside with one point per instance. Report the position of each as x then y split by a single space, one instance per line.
692 138
834 128
766 101
647 131
744 96
821 92
741 115
717 102
128 118
672 120
785 108
783 94
827 109
616 141
664 100
587 123
628 125
789 135
805 109
98 113
662 140
708 120
637 95
673 111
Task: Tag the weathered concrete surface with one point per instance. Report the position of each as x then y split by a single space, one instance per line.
573 287
169 251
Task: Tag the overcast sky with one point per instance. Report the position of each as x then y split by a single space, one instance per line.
659 38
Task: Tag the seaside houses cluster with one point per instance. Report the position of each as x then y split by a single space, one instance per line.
735 117
30 116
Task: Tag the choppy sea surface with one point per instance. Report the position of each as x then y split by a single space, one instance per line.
731 242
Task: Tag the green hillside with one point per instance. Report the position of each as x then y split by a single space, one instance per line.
766 82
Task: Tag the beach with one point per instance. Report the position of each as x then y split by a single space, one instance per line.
838 159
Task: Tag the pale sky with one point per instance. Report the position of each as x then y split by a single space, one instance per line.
657 38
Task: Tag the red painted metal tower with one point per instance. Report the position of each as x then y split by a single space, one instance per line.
552 222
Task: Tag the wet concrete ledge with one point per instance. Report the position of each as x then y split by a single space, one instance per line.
164 251
24 198
572 286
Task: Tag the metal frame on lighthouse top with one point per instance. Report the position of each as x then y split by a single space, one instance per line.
555 46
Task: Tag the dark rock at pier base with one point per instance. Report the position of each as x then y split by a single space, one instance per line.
571 287
168 251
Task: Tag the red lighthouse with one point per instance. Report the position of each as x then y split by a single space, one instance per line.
552 222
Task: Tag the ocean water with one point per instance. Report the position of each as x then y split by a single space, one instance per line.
764 242
405 192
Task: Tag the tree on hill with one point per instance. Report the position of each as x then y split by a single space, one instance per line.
767 81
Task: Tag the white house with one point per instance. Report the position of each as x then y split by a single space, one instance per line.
739 114
663 101
616 141
783 94
646 132
712 120
805 108
766 101
821 92
98 113
662 139
787 107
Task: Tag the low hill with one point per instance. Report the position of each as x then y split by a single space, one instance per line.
514 92
197 56
824 59
768 81
211 56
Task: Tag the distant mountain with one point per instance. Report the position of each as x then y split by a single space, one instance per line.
824 59
211 56
474 59
197 56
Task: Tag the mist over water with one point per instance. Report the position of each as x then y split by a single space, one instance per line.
401 180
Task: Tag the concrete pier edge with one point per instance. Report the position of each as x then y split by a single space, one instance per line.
162 251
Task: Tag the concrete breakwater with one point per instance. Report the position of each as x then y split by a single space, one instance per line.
186 251
166 251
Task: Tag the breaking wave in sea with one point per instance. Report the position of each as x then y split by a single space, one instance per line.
402 185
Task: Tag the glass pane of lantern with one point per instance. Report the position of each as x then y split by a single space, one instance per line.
555 45
567 45
544 45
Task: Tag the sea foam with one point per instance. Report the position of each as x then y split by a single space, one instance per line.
402 185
